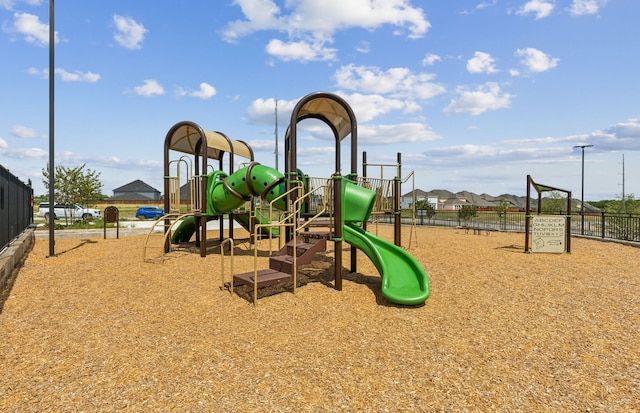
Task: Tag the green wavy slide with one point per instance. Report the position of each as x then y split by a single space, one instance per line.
404 281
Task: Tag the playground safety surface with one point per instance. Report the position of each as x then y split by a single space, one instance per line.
98 329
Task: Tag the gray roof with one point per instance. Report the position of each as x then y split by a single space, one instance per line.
485 200
130 196
136 186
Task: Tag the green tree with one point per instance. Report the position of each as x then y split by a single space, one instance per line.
501 210
626 205
426 207
555 203
467 212
76 185
621 224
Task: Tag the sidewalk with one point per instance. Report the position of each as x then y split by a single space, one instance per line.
127 228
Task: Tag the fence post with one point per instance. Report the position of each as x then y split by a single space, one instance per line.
602 224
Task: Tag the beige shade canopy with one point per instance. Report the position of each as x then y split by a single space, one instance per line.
329 109
184 137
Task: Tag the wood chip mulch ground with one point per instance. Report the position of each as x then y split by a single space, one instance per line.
97 328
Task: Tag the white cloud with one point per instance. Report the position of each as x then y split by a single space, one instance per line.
371 134
540 8
368 107
365 106
480 6
474 102
149 88
310 24
398 82
262 110
77 76
42 73
259 14
396 133
326 17
25 132
32 29
206 91
8 4
536 61
430 59
301 51
21 153
363 47
129 33
481 63
628 129
617 137
582 7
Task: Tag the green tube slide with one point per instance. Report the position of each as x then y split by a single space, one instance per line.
228 192
404 281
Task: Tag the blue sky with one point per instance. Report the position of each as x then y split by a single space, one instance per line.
474 94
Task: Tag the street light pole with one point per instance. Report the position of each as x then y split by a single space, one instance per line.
582 200
52 42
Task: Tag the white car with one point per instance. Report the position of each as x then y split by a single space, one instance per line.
62 211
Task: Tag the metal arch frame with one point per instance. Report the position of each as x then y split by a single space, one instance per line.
291 167
201 154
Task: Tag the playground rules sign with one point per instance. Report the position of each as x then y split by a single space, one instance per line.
548 233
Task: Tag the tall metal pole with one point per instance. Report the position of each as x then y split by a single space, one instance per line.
52 38
582 200
276 133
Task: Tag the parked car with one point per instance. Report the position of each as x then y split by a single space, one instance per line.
149 212
70 211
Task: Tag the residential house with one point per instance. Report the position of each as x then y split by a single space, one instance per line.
136 191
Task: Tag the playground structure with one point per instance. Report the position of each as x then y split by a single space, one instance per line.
304 212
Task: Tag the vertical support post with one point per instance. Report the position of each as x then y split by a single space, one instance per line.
568 227
527 216
353 175
582 198
364 176
397 211
337 231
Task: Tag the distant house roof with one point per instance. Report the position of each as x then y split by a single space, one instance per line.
419 193
136 191
130 196
136 186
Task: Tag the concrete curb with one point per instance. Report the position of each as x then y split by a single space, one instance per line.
11 256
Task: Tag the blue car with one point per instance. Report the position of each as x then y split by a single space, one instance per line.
149 212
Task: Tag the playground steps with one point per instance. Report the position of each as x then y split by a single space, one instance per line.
281 265
265 277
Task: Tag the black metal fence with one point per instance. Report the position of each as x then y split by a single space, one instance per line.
16 207
601 224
